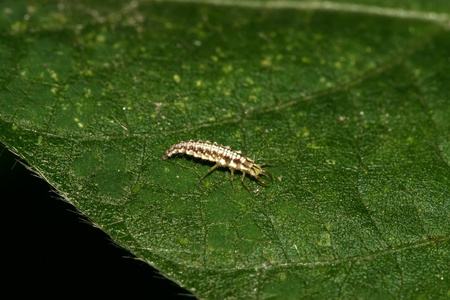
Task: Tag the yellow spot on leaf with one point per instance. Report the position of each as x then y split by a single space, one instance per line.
249 80
306 59
330 161
81 125
18 27
100 38
325 239
227 68
266 62
87 93
305 132
137 188
53 74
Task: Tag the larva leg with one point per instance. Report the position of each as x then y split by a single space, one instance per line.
232 180
242 180
209 171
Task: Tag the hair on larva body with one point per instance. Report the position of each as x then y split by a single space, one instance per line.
223 156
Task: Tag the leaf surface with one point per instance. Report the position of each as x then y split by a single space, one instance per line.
350 104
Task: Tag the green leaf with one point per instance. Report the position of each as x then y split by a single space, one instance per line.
349 100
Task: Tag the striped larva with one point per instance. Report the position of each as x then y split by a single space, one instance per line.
223 156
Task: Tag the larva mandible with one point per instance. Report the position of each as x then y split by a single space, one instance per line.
223 156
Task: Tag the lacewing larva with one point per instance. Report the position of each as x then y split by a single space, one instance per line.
223 156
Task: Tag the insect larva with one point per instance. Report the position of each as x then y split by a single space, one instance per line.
223 156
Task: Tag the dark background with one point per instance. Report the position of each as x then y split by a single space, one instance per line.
52 249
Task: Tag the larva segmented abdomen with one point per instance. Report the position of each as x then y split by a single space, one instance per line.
222 155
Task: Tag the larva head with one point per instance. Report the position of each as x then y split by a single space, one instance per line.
257 171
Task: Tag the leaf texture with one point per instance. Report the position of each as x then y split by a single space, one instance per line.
351 105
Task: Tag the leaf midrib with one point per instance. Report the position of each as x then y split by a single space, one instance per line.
439 18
